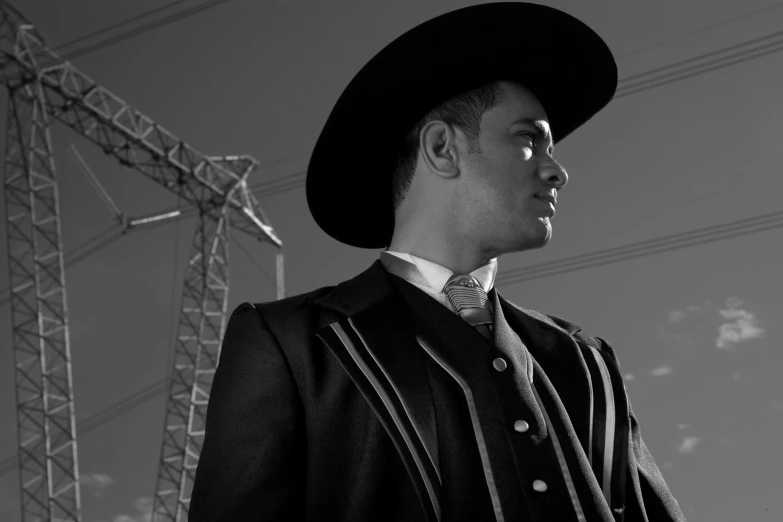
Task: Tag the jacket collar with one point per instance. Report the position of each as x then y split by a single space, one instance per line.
374 284
359 293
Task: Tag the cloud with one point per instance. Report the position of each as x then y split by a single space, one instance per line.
629 376
143 507
744 325
95 482
675 316
737 324
683 426
687 445
660 371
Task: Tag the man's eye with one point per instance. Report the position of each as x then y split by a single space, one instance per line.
531 137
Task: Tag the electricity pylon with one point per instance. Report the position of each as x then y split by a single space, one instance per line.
43 88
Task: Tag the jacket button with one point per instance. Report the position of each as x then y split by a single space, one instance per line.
539 485
521 426
499 364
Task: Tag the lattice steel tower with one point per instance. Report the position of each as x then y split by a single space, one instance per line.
43 88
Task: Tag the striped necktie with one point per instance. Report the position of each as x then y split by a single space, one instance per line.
469 300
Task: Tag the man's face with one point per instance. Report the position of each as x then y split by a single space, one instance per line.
503 184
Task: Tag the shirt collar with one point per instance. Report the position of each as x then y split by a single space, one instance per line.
437 275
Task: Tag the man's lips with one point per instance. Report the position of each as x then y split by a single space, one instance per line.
547 197
550 201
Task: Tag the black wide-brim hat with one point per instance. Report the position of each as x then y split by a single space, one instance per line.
563 62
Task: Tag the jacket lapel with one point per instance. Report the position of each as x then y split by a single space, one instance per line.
558 355
581 389
464 355
376 346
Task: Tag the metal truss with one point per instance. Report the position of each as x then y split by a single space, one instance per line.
44 88
202 322
125 133
48 464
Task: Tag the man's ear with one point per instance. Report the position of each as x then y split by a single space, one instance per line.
438 148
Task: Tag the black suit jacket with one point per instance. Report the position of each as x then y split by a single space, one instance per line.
371 401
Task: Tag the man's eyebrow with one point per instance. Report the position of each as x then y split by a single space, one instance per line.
538 123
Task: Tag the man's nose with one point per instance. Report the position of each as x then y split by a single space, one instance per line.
553 173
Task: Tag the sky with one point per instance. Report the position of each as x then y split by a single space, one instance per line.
694 328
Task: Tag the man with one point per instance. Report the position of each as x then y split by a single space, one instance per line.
415 391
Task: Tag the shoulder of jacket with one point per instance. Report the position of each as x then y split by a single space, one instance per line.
580 335
292 303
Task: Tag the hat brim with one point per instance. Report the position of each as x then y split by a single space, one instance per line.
563 62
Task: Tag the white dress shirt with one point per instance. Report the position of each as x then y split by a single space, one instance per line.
437 276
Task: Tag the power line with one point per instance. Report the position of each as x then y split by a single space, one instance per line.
114 233
123 23
262 189
754 43
102 417
762 219
757 51
286 158
280 185
125 405
79 253
750 14
145 28
644 248
96 243
633 84
254 261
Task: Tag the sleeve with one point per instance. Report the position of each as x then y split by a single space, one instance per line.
658 501
251 465
646 481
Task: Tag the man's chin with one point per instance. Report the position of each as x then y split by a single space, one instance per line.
540 237
533 241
